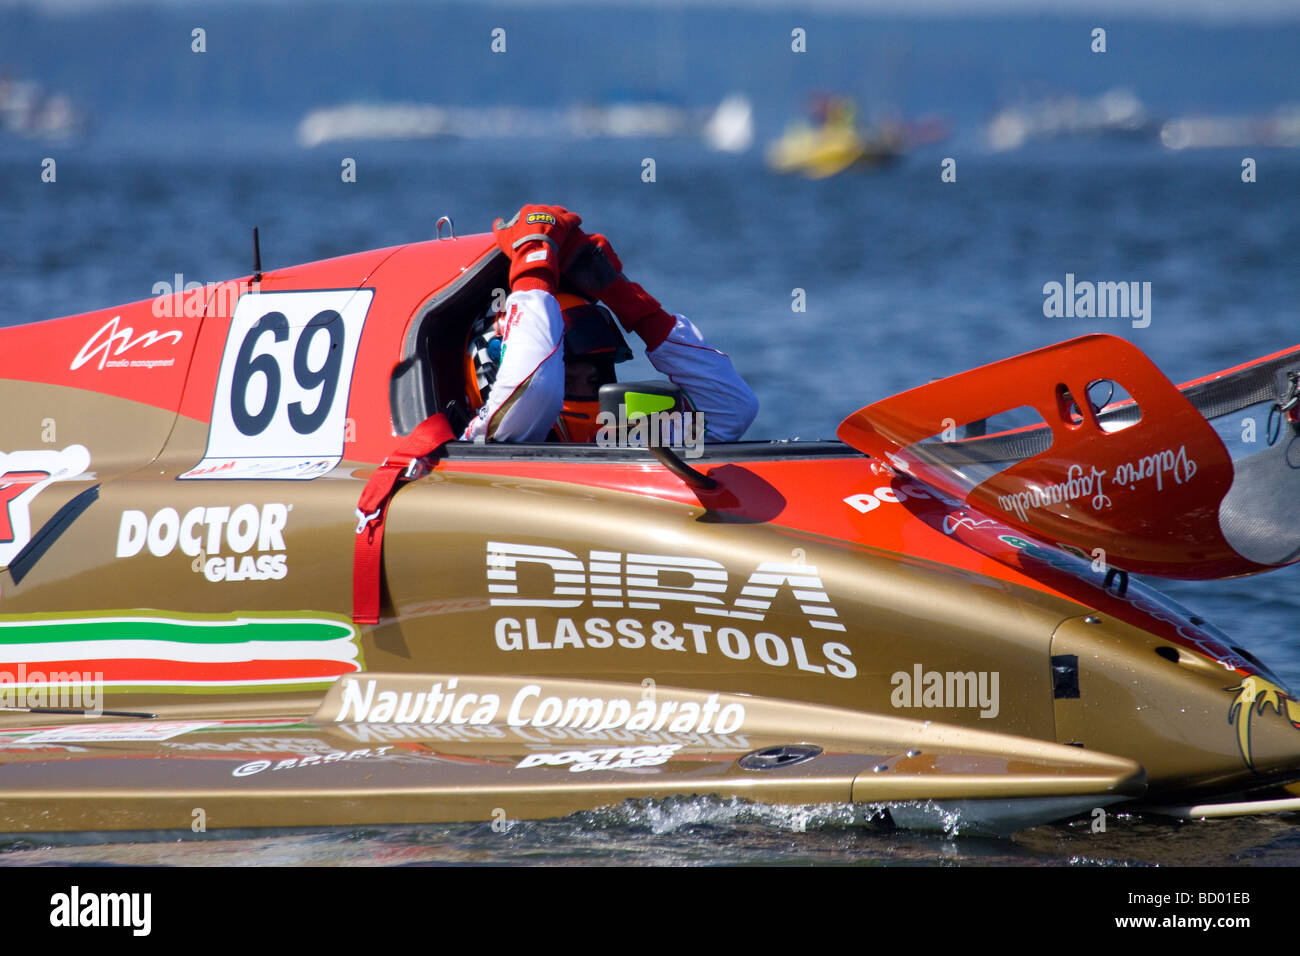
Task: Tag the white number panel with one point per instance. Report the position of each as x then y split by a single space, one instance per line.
281 402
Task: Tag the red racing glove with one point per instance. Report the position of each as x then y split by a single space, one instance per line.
595 270
535 238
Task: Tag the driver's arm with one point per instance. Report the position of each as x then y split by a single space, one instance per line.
716 390
673 343
528 392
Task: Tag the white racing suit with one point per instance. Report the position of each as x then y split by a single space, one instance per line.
528 393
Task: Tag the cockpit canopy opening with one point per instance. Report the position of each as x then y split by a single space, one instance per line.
431 376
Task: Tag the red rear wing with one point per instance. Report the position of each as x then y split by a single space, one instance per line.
1147 479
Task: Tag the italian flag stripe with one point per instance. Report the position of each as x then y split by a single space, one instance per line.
202 652
343 651
229 631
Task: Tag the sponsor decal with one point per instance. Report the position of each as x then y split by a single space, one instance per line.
951 522
23 476
1076 485
867 502
112 341
1253 696
636 581
310 760
364 702
1166 462
140 732
611 758
535 217
1092 486
244 469
949 690
203 533
161 732
282 390
597 633
220 653
506 324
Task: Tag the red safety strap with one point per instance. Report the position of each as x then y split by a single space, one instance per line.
399 467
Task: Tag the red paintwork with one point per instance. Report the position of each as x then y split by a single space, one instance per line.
13 484
1165 523
46 351
773 492
404 277
143 669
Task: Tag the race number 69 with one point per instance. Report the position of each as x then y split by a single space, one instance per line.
324 378
282 391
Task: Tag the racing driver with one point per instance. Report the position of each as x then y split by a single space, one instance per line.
529 389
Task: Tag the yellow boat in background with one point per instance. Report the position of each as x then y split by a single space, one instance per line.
832 143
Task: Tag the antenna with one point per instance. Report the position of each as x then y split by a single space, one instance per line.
257 257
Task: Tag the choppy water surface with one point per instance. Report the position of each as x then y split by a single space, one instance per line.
905 279
701 831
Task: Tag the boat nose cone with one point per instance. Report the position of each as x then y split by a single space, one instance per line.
1266 720
1190 722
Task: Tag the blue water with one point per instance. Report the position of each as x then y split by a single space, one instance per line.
905 278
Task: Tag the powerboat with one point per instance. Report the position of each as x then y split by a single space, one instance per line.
252 580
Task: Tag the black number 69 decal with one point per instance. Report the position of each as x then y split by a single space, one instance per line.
325 378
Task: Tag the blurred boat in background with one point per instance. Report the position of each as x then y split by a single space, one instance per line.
1117 113
1280 129
831 141
29 111
728 128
